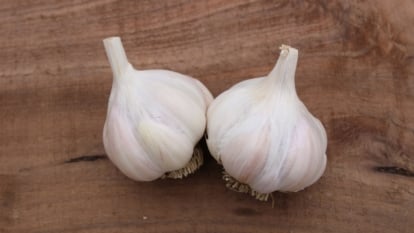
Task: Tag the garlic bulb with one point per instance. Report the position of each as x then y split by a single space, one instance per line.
154 120
264 136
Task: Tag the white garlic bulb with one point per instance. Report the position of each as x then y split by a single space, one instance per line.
154 120
264 136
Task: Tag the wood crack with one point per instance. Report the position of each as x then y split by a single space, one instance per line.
394 170
86 158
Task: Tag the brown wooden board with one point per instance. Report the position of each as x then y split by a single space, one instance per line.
355 73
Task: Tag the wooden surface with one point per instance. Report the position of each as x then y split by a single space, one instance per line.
356 73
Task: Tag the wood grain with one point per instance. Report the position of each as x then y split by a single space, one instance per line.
356 73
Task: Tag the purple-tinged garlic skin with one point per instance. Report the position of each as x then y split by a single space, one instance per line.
264 136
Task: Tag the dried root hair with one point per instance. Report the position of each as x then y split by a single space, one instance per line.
193 165
235 185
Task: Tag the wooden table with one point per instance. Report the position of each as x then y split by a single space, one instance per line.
355 73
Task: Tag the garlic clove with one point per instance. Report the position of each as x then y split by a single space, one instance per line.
155 119
219 114
247 148
264 136
124 151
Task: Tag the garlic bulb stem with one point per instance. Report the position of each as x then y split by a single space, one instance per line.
282 77
116 56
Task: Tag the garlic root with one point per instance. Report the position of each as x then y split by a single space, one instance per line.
235 185
195 163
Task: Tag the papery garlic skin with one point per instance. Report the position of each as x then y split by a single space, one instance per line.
155 117
264 136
